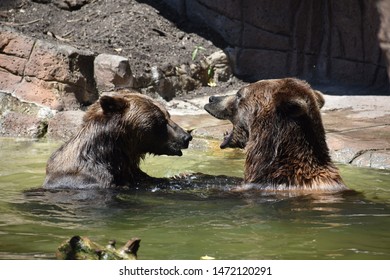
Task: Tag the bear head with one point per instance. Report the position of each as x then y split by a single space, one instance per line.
259 102
141 122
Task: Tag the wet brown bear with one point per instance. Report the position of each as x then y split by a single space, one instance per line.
117 132
279 123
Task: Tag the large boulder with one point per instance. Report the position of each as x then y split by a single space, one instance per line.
22 119
56 76
112 71
38 79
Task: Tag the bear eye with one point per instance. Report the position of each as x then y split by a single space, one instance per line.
238 95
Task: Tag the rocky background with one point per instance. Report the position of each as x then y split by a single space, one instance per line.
58 56
324 41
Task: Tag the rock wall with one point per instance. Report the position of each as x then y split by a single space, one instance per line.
38 79
59 77
384 31
322 41
44 86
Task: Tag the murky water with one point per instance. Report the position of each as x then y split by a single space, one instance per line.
185 223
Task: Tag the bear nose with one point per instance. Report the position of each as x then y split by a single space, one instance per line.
212 99
187 138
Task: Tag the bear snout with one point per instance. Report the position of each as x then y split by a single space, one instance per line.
212 99
179 138
187 138
216 99
219 107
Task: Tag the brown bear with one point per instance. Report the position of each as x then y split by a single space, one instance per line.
279 124
117 132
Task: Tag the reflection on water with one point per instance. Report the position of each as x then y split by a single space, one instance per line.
193 215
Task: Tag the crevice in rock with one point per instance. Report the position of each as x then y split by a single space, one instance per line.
357 129
28 58
362 152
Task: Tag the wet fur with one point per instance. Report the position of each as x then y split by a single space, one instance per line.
279 124
117 132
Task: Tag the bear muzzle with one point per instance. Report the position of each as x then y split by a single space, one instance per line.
179 140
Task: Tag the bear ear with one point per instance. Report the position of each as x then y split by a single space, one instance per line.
318 95
291 97
111 104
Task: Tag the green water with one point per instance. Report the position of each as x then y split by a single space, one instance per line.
181 224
